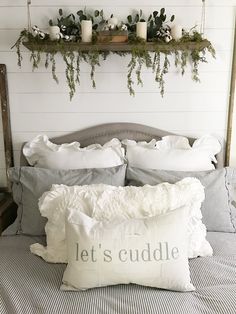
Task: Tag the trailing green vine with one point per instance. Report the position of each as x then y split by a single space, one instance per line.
131 68
23 36
78 61
69 58
177 58
184 59
156 68
139 57
35 58
93 60
47 60
53 68
165 70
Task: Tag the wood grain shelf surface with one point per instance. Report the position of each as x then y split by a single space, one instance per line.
115 47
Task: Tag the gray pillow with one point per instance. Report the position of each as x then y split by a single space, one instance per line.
218 209
29 183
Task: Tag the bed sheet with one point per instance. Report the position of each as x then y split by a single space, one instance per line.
30 285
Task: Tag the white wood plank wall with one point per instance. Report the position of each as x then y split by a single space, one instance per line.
38 105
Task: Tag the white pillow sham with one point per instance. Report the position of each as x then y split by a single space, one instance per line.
148 251
173 153
41 152
109 203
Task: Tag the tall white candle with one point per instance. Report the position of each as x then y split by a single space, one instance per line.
54 32
86 30
176 31
141 30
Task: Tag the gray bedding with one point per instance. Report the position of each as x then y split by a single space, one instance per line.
30 285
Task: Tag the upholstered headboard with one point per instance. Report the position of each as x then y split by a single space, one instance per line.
104 132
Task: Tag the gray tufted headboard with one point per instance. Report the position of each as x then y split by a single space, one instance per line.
104 132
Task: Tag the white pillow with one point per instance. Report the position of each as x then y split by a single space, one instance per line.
148 251
40 152
107 203
173 153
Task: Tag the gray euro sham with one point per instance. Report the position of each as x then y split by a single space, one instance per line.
29 183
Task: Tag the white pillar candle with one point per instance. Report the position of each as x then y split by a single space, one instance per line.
176 31
86 30
141 30
54 32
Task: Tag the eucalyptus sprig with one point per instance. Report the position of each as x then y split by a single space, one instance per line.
156 21
132 20
97 17
67 24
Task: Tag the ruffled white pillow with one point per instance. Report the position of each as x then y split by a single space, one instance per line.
41 152
174 153
108 203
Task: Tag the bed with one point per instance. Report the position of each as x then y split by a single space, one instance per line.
30 285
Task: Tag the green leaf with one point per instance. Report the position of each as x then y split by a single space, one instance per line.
60 12
142 20
129 18
95 26
133 28
163 17
83 17
140 13
172 18
80 12
158 22
50 23
96 13
162 11
136 18
101 13
111 16
150 17
155 13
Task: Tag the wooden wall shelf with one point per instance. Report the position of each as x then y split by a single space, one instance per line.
115 47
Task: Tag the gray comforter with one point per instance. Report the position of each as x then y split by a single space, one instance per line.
30 285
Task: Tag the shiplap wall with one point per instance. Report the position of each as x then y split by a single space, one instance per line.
38 105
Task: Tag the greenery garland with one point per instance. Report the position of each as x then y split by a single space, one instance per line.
140 56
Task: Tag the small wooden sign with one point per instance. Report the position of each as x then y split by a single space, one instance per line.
112 36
